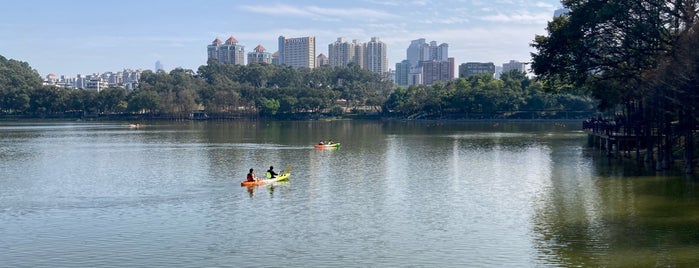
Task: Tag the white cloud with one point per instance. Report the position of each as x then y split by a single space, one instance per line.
518 17
447 20
316 12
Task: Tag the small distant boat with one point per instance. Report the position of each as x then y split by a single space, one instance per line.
327 146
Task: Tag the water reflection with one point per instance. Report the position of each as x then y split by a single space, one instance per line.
593 215
395 194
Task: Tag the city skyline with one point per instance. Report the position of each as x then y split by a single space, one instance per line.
81 37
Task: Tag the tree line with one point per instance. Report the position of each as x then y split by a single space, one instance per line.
273 91
639 59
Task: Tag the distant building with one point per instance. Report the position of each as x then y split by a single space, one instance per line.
297 52
322 60
420 52
415 52
375 59
159 66
341 52
514 65
437 70
402 71
259 55
414 79
275 58
229 52
358 53
51 79
474 68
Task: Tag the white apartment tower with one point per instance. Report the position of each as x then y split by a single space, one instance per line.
375 59
297 52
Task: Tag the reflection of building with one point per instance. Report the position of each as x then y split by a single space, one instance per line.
474 68
259 55
297 52
229 52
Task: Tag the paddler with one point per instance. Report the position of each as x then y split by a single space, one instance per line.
251 176
271 173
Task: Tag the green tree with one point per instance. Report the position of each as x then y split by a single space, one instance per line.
17 81
269 106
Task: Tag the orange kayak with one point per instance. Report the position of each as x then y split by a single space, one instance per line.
282 177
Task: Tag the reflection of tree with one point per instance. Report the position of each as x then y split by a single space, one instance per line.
594 215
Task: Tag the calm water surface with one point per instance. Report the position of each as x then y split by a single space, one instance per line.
395 194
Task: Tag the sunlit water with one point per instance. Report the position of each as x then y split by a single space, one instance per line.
395 194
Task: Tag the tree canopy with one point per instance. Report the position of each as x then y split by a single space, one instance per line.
274 91
637 57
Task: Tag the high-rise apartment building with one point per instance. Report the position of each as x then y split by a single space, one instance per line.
375 59
358 53
229 52
437 70
402 72
340 52
259 54
420 52
415 51
297 52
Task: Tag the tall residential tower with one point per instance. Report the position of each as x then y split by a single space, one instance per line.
375 56
297 52
229 52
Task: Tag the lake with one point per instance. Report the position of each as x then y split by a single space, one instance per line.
394 194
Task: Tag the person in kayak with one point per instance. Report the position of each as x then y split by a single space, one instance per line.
251 176
271 172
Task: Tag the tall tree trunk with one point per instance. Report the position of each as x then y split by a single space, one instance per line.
688 122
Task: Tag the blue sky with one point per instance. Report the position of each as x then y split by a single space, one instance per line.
84 37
